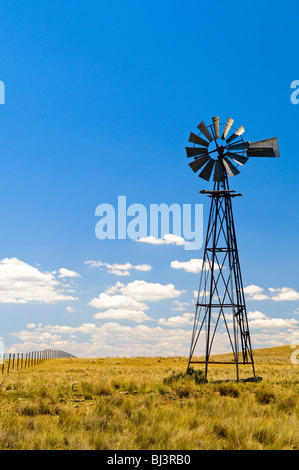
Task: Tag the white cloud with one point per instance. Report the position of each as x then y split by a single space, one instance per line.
284 293
252 289
120 314
273 323
23 283
143 267
259 320
258 297
63 272
129 296
180 306
119 269
70 309
115 288
126 302
169 239
106 301
35 336
85 328
255 293
256 315
193 265
142 290
185 319
203 293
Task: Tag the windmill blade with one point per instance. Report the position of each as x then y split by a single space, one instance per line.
237 158
207 171
236 134
194 151
197 164
216 126
240 146
230 168
227 128
202 127
264 148
219 171
262 152
195 139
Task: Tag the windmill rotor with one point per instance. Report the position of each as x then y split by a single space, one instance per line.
211 155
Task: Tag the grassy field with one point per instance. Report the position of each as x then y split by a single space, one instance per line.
126 404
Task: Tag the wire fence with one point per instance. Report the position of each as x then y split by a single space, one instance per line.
18 361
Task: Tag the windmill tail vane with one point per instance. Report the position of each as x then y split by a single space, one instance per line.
218 151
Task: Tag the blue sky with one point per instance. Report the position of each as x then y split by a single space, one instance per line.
100 98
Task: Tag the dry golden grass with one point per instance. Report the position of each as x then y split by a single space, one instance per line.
125 404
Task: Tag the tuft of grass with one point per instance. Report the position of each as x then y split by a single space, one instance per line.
265 396
197 375
229 390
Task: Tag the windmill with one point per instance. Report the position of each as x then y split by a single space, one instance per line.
218 151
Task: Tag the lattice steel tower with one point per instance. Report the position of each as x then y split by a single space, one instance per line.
221 302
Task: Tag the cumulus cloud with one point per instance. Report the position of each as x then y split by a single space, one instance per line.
177 305
203 293
63 272
255 293
168 239
70 309
259 320
280 294
115 288
142 290
106 301
121 314
126 301
258 297
256 315
252 289
194 265
119 269
273 323
22 283
185 319
284 293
